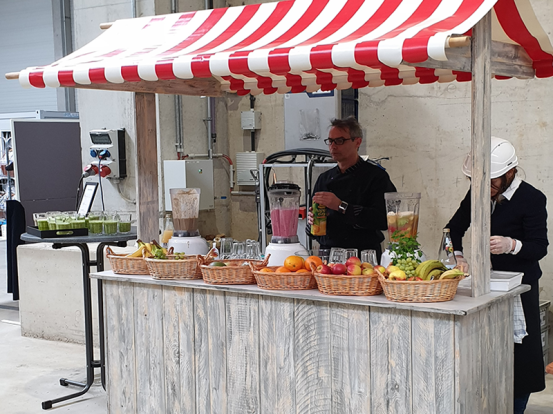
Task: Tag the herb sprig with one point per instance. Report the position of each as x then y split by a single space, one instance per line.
404 247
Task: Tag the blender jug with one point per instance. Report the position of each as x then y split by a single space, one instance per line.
402 214
185 203
284 202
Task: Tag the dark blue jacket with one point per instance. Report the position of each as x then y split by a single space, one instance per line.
524 218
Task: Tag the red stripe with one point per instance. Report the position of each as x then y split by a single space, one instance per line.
513 25
165 70
65 78
200 66
278 61
182 21
463 76
425 75
153 21
238 64
36 79
130 73
205 27
379 17
97 75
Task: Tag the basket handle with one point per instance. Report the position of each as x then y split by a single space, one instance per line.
170 250
146 254
265 260
109 252
313 268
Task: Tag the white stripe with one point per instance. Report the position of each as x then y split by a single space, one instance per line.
24 78
219 64
182 67
50 77
80 75
258 61
299 59
112 72
147 70
294 14
224 22
259 18
436 44
343 55
364 13
396 19
181 33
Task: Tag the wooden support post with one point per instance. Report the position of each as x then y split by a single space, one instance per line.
146 167
480 144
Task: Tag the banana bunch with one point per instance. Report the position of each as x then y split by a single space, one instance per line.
451 274
430 270
144 249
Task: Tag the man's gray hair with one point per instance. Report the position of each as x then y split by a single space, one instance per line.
349 124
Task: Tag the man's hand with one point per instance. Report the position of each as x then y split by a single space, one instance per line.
462 264
501 245
310 216
327 199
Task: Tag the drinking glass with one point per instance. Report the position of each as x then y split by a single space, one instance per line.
369 256
226 247
351 253
238 250
63 221
95 222
111 221
337 255
324 254
252 250
125 222
41 220
77 221
52 219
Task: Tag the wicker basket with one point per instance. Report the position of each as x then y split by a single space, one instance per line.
419 291
361 285
170 268
236 272
121 264
283 281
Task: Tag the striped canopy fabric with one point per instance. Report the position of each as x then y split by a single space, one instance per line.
296 46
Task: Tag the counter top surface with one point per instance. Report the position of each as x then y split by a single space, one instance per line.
91 238
462 304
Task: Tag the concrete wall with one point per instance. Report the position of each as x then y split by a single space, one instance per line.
425 129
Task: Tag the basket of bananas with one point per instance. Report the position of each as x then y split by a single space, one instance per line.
432 282
164 264
129 264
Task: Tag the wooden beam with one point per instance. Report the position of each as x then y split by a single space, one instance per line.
480 149
105 26
146 167
191 87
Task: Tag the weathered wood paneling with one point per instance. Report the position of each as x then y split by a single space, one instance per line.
312 350
433 363
120 351
276 349
210 352
468 385
390 361
150 370
178 329
242 328
350 358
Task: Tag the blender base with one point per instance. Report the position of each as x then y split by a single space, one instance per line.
188 245
280 251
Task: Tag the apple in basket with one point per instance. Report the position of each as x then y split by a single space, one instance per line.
366 265
382 270
368 271
354 270
339 269
353 260
324 269
217 264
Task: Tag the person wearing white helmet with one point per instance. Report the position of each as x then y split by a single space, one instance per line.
518 243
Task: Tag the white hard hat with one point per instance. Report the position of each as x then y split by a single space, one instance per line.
503 155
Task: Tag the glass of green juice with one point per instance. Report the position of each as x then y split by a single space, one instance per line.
41 221
111 220
63 222
78 221
52 219
95 222
125 222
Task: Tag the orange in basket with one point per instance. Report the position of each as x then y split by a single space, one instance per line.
282 269
293 263
316 260
303 271
266 270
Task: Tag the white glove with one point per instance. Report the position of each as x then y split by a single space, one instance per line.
500 245
462 264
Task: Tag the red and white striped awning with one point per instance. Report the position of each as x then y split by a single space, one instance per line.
301 45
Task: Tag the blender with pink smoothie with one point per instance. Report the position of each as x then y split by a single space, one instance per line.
284 202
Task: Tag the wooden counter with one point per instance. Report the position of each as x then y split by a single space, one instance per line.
189 347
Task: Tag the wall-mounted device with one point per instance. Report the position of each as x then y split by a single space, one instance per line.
108 151
251 119
245 162
189 174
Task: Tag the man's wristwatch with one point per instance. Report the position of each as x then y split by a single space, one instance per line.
343 207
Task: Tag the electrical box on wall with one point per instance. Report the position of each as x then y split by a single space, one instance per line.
245 162
251 120
108 149
189 174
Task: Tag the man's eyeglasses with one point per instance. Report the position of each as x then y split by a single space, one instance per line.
337 141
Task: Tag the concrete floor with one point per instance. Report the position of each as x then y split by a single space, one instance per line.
30 369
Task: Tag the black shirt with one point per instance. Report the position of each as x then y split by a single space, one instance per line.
362 186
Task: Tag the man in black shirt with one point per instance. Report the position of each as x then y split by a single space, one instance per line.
353 193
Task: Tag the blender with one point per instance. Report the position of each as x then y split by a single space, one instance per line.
284 203
185 203
402 215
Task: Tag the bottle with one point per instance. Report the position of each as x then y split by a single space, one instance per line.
167 229
446 255
319 220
